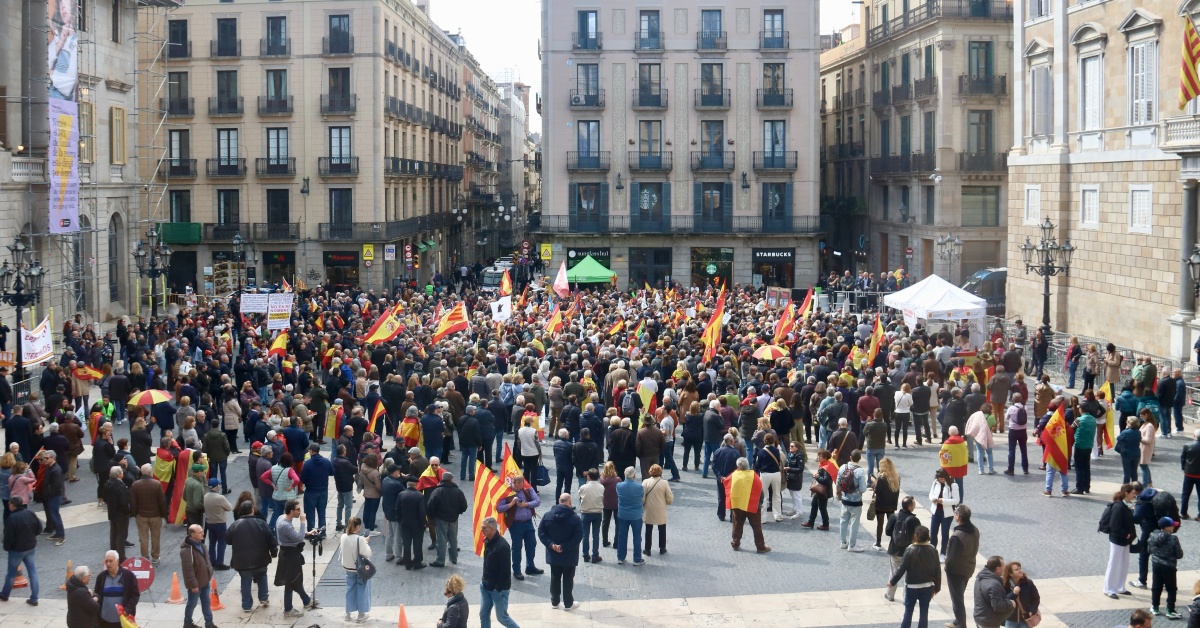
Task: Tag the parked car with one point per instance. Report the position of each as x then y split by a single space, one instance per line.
989 284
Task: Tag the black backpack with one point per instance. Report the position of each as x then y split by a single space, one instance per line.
628 406
1104 528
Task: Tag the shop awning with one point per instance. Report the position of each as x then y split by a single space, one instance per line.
421 247
432 244
590 271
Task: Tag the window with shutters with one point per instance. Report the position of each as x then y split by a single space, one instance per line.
1041 101
1033 204
1090 93
1141 208
1143 82
116 134
87 132
1089 207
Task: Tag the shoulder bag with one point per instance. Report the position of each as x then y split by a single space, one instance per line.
362 564
1032 620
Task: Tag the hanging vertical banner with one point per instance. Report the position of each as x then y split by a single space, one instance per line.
62 152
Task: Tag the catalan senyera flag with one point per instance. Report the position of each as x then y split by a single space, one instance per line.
87 373
806 307
616 328
300 284
1054 441
1110 424
430 477
744 488
279 345
506 285
375 416
287 287
455 320
489 488
1189 82
712 333
386 328
876 341
787 319
177 510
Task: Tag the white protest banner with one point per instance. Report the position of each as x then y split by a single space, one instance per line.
37 346
501 309
279 310
255 303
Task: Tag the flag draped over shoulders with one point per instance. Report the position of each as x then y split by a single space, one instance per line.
743 489
1054 441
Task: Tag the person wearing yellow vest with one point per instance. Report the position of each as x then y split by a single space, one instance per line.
743 489
954 457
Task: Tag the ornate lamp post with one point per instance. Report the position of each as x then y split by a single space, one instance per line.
21 286
949 250
1047 258
153 262
239 248
1193 263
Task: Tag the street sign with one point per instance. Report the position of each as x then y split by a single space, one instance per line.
408 254
525 247
368 253
142 569
547 252
389 252
908 252
368 263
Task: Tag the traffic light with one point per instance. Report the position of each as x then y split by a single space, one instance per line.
416 262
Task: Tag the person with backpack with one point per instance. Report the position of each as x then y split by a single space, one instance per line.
1018 428
900 532
922 577
852 481
1117 523
1165 551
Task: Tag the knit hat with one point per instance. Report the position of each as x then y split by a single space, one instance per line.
196 468
1166 522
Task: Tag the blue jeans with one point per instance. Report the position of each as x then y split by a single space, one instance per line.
1071 367
433 452
980 453
499 457
822 438
118 411
264 395
345 504
223 469
591 526
216 543
1146 479
15 559
939 526
499 600
315 501
749 448
848 528
709 448
467 464
370 509
523 534
53 516
248 578
203 599
562 483
276 511
1050 471
666 459
873 458
913 597
623 528
358 593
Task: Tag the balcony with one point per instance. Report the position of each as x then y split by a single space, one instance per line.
860 96
582 99
926 87
778 98
179 49
181 232
177 168
713 161
337 166
596 161
881 98
648 42
846 150
276 231
225 167
983 162
901 93
28 170
268 47
178 106
587 42
650 162
649 99
711 41
891 164
357 231
275 166
225 106
712 99
341 104
779 161
603 223
225 48
1000 10
268 106
774 40
337 46
996 85
923 162
224 232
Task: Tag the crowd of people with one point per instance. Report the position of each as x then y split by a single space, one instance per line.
604 384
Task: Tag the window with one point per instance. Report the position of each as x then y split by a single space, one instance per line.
651 201
339 35
81 19
649 35
773 24
927 192
980 206
979 132
884 201
177 39
776 204
930 132
178 145
278 207
712 82
1089 206
277 85
710 27
927 57
339 145
116 133
905 135
227 90
588 139
773 79
114 258
277 39
712 135
1033 204
177 88
979 59
1041 88
1143 82
1090 93
588 35
905 69
116 21
1141 209
650 85
885 137
181 205
713 206
650 137
277 146
339 83
1038 8
341 206
588 80
229 211
87 132
227 147
227 38
774 143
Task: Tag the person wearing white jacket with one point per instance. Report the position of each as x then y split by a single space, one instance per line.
902 413
980 432
943 497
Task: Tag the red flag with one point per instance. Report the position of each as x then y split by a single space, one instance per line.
375 414
712 333
1054 441
454 321
177 511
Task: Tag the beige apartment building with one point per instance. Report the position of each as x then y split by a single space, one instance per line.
328 136
1103 152
915 124
679 140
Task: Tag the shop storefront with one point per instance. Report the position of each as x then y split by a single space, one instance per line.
600 254
773 267
279 265
649 266
712 264
341 268
228 273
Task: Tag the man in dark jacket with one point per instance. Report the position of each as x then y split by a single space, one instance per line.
992 606
955 414
83 611
594 422
393 484
486 420
392 392
116 585
724 462
497 574
263 464
149 507
585 454
116 498
900 531
446 504
314 475
960 561
561 531
21 530
197 575
563 467
621 446
469 441
217 450
1189 462
885 392
54 488
19 430
411 506
569 417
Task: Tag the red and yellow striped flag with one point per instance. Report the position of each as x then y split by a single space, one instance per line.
616 328
1054 441
712 333
489 489
87 373
1189 83
279 345
375 414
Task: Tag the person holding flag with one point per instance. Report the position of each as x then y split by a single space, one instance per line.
1085 434
1054 448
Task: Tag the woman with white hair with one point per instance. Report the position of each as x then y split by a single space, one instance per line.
83 611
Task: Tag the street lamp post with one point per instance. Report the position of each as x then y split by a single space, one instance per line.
153 262
1193 263
21 286
1047 258
238 248
949 250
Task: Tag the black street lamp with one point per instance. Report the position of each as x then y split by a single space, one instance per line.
949 250
1047 264
21 286
153 264
238 248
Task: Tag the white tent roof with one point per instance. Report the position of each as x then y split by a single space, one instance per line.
936 298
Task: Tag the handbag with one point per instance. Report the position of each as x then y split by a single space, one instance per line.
364 566
1033 620
542 476
871 510
816 488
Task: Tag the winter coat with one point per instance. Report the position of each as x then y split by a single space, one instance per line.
657 497
83 611
1165 549
252 543
456 613
961 550
900 530
497 567
585 455
446 502
193 562
562 457
563 527
919 566
992 606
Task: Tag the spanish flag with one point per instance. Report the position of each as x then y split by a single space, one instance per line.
509 468
386 328
410 431
489 489
521 300
164 467
1189 83
616 328
1110 424
375 414
743 489
1054 441
555 324
712 333
430 477
453 321
953 456
279 345
288 366
87 373
127 620
333 421
787 320
806 307
287 287
320 322
506 285
876 341
178 508
649 400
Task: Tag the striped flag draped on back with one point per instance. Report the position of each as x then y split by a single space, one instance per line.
1189 83
489 488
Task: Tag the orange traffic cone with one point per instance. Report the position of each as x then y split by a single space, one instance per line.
176 597
214 600
20 582
402 621
70 570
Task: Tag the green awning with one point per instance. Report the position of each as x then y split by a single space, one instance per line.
421 247
432 245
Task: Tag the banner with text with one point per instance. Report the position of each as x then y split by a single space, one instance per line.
279 310
62 163
37 346
254 303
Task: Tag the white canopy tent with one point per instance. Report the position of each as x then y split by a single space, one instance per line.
934 299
